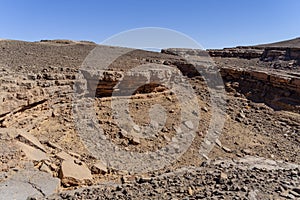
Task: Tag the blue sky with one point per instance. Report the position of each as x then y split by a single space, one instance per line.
212 23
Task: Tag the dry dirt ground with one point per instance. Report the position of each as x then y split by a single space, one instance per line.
43 155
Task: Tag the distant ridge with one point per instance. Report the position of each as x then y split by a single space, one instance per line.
293 43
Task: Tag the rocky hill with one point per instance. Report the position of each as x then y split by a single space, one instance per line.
292 43
54 95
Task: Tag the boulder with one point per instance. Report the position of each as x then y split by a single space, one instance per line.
72 173
99 168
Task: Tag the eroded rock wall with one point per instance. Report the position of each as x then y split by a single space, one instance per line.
265 54
278 89
103 83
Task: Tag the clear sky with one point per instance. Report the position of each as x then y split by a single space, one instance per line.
212 23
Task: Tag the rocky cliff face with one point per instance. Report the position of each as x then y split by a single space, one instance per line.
263 53
247 69
247 53
285 50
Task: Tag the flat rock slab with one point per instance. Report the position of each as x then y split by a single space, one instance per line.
32 153
29 137
29 183
74 174
64 156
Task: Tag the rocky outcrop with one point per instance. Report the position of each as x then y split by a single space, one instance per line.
263 53
67 42
237 53
103 83
278 89
280 53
